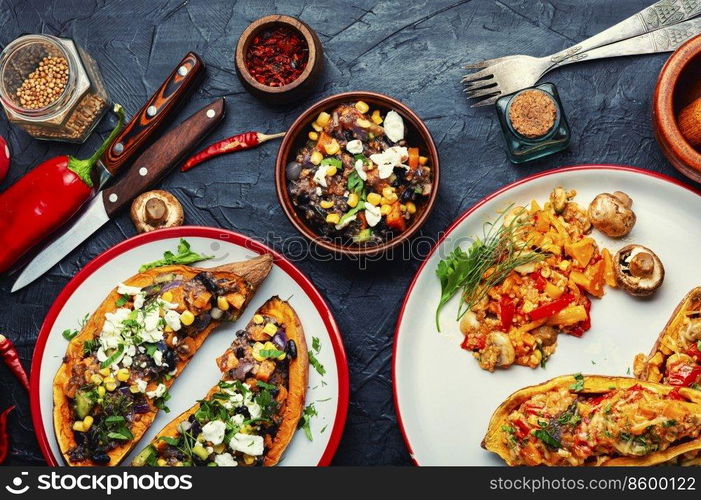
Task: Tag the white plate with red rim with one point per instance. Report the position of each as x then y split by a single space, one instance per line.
84 293
444 400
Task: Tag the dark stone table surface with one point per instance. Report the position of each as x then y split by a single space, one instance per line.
411 50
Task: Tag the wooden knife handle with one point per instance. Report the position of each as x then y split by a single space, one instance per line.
162 156
162 104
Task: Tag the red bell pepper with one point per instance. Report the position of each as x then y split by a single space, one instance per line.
522 429
506 312
552 308
583 326
44 198
674 394
395 219
473 344
683 374
694 351
538 281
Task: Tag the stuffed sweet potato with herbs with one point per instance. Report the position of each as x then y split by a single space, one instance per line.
596 420
118 369
675 358
249 418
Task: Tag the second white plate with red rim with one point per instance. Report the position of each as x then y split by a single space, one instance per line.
444 400
90 286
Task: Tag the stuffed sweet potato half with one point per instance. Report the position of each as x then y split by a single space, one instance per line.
249 418
596 420
117 371
675 358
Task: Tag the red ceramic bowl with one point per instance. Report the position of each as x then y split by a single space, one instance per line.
417 134
679 84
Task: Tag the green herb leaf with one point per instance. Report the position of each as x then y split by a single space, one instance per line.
355 183
122 434
316 344
669 423
123 299
546 438
171 441
184 256
360 206
579 383
305 422
89 346
270 353
112 419
316 364
113 357
69 334
331 161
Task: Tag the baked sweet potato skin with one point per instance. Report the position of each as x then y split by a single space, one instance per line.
593 384
652 366
298 374
63 411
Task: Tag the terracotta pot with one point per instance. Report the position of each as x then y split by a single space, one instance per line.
678 85
417 134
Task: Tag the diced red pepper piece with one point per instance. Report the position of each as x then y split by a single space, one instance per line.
506 312
683 374
472 343
583 326
552 308
674 394
394 218
538 281
522 429
413 158
694 352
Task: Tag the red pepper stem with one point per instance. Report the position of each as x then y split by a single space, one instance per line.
83 168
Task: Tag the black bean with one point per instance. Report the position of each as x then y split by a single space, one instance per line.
242 410
101 458
407 195
170 358
240 333
293 170
302 199
292 349
240 353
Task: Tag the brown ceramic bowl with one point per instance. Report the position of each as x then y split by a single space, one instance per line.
417 135
679 84
299 87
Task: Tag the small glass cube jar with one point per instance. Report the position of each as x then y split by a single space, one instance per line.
549 135
70 115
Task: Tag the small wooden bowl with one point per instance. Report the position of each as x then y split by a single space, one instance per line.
678 85
299 87
417 134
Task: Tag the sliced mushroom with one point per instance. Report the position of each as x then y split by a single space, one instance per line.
691 329
547 335
559 199
155 210
611 214
638 270
499 344
469 323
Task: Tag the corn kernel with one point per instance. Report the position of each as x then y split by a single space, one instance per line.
87 423
326 204
353 200
362 106
111 386
104 372
258 319
167 296
101 391
385 201
323 118
255 351
333 218
423 160
410 207
376 117
161 462
332 147
134 389
168 329
402 208
316 157
385 209
123 374
269 346
222 303
331 170
96 379
78 426
387 192
187 318
313 136
374 199
362 123
564 265
317 127
270 329
248 459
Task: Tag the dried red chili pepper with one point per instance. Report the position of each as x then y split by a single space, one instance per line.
11 359
44 199
277 57
247 140
4 436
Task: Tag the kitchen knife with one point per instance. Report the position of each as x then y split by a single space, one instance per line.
151 117
164 154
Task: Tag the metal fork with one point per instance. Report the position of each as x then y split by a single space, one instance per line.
657 28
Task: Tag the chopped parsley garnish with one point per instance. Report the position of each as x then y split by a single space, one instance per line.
122 300
316 347
69 334
669 423
305 422
546 438
183 256
578 384
355 183
316 344
271 353
570 416
160 403
89 346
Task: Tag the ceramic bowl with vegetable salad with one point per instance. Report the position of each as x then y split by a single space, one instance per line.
359 173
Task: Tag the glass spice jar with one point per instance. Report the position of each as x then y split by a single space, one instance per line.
51 88
533 122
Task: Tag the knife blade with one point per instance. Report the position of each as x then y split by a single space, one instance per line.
151 117
158 159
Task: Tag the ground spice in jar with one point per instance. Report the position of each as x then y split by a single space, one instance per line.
277 57
532 113
45 84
